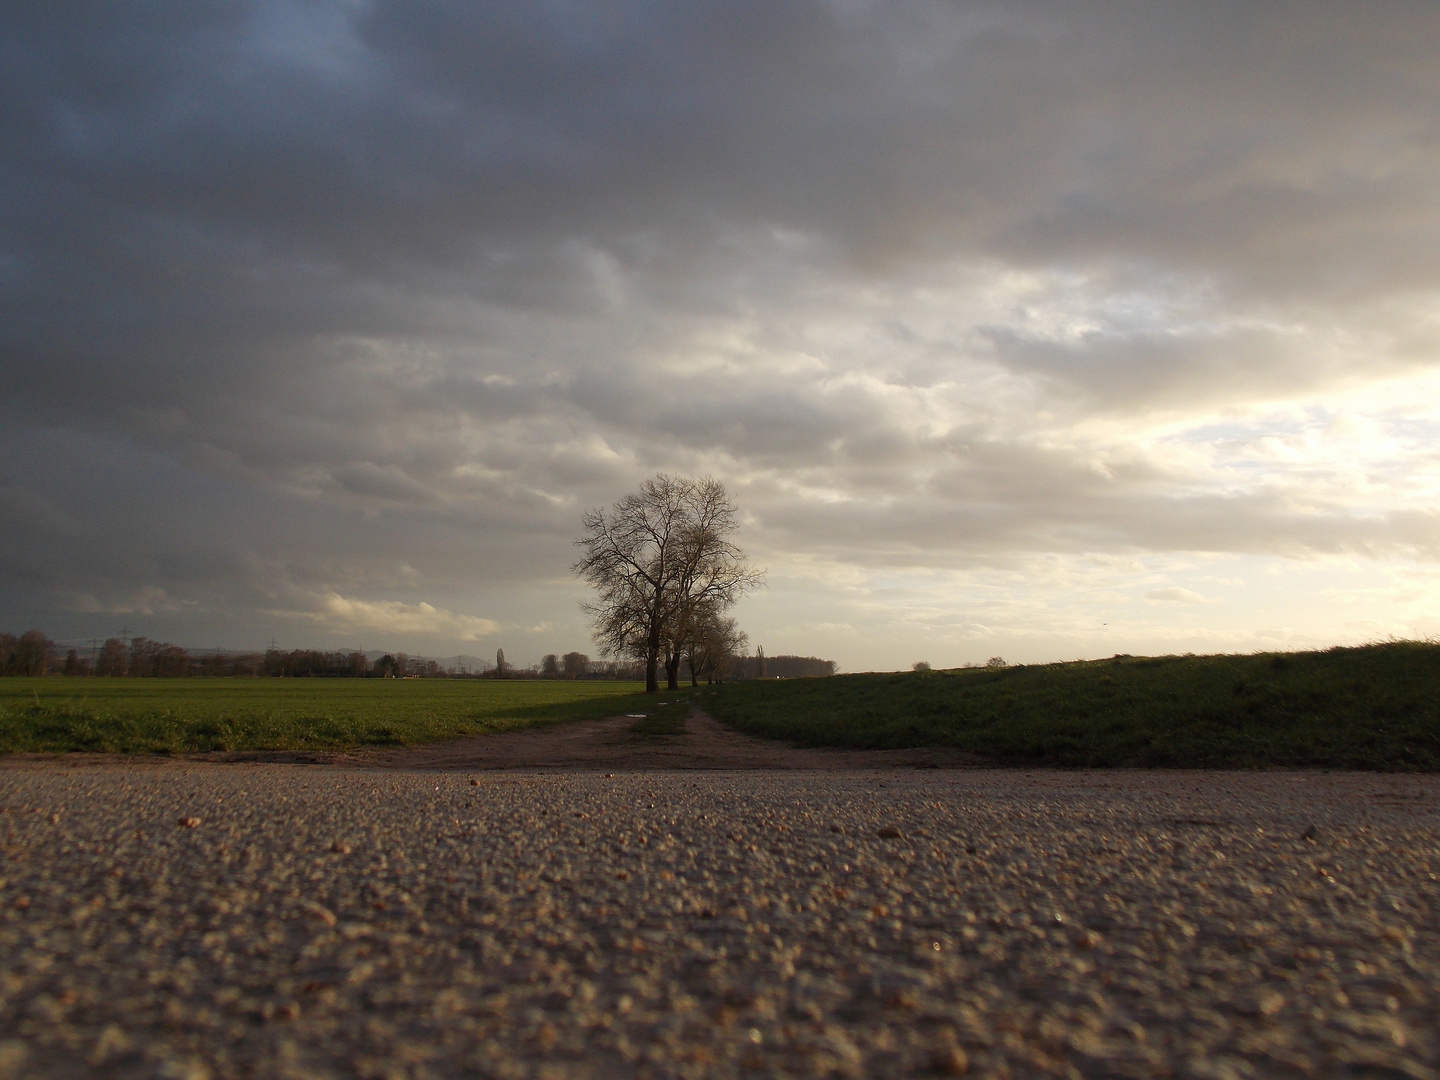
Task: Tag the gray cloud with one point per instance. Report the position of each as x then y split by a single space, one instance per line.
292 294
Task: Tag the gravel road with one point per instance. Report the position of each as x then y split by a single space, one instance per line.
194 921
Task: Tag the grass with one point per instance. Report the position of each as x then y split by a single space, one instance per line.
665 715
1373 707
172 716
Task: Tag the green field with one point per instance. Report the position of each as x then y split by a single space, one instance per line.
185 715
1375 707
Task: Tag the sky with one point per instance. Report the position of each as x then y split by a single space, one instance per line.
1039 330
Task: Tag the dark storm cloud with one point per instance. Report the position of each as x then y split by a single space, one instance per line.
354 283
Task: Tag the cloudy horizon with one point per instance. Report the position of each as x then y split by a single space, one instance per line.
1035 330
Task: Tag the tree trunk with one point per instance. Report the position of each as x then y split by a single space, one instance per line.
652 659
672 672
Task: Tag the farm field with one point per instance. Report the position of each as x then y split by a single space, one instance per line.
1371 707
57 714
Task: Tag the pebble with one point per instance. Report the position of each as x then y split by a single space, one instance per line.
716 924
950 1061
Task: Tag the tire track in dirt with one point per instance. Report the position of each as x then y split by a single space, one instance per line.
610 745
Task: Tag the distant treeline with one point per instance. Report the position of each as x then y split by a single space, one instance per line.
33 653
761 666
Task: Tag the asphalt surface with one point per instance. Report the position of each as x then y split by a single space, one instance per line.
215 921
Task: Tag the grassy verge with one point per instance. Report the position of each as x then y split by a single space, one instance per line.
186 715
1374 707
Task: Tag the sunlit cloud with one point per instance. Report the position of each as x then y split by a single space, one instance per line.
1175 595
396 619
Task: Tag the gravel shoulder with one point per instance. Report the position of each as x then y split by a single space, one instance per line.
207 920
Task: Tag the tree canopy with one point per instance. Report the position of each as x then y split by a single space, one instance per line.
663 567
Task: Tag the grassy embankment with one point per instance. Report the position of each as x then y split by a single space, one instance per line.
183 715
1374 707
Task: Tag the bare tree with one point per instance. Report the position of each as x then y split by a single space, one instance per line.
31 653
576 664
653 560
112 658
550 666
713 643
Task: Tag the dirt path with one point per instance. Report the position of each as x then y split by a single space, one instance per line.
610 745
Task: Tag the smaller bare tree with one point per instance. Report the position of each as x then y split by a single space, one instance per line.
714 643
